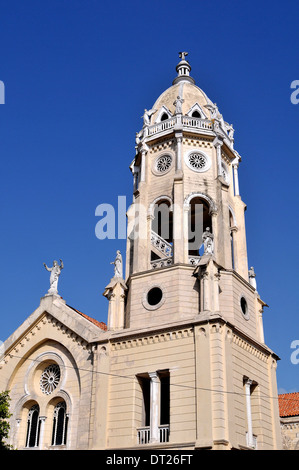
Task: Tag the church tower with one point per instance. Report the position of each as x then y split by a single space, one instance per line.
187 271
186 250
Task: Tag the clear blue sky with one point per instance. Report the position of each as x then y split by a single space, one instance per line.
78 75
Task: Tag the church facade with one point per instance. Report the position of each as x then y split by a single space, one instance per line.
182 362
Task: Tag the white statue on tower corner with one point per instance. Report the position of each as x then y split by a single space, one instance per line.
118 265
208 242
55 273
252 277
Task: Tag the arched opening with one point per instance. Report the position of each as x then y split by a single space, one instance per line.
33 427
162 222
199 221
60 424
164 117
162 230
196 114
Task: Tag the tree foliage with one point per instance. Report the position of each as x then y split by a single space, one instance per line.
4 416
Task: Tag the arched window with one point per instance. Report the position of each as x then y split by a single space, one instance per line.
164 117
60 423
162 223
196 114
199 220
33 427
162 231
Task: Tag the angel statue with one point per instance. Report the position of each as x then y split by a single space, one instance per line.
55 273
147 116
118 265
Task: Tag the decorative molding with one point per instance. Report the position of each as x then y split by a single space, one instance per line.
46 318
152 339
212 204
245 345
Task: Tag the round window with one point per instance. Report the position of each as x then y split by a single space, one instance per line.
197 161
154 296
50 379
244 307
163 164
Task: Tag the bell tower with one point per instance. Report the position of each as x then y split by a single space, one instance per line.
186 248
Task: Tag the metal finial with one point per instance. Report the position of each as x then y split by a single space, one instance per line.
182 55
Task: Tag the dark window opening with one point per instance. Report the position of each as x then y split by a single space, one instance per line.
196 114
165 399
164 117
163 221
243 305
154 296
199 220
33 427
145 388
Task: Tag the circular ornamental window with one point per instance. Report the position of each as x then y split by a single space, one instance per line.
50 379
163 164
197 161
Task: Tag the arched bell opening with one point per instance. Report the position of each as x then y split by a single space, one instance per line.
199 220
162 230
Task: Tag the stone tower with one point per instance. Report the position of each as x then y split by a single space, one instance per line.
186 251
186 264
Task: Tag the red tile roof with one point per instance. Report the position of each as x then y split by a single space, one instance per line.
101 325
288 404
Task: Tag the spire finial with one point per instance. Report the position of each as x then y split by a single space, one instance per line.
182 55
183 69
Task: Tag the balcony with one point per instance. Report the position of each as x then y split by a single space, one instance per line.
144 434
186 122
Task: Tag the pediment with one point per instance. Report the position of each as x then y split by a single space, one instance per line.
163 110
53 309
199 109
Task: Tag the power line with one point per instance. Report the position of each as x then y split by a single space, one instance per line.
172 384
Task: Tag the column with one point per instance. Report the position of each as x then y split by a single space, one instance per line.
248 384
142 175
236 180
154 406
179 138
42 420
218 144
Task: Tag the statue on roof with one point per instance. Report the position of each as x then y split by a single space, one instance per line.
55 271
147 116
252 277
178 105
118 265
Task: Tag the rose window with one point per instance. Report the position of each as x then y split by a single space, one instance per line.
50 379
197 161
163 163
